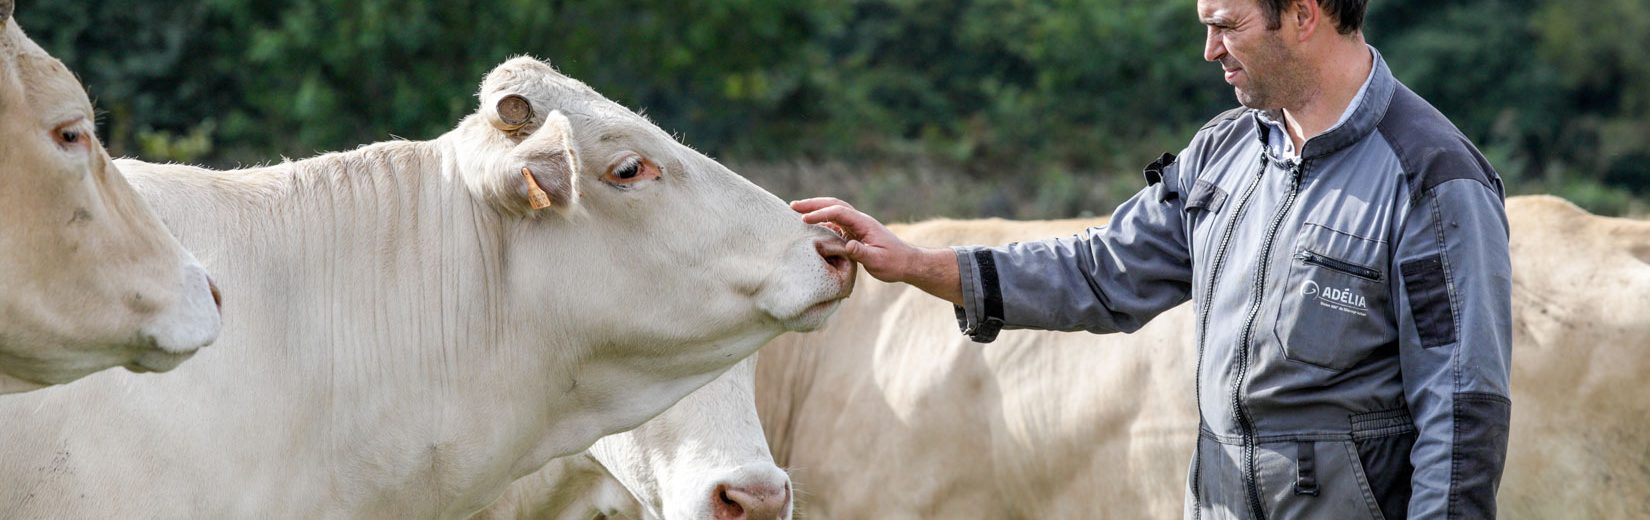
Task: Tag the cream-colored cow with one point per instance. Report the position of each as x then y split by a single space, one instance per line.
89 277
891 413
418 324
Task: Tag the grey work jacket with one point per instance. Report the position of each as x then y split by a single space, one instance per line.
1353 309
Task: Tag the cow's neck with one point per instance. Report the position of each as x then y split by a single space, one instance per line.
370 281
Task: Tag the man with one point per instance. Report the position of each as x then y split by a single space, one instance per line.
1345 250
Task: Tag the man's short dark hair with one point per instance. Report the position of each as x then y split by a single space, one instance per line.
1348 13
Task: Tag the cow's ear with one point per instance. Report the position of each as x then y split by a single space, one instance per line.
542 169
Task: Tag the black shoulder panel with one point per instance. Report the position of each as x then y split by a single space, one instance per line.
1430 148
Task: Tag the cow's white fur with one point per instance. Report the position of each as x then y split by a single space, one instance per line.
406 338
89 277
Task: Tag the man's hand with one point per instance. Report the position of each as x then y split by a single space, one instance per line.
884 255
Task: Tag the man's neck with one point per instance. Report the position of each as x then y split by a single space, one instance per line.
1336 86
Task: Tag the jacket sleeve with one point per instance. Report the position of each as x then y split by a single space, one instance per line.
1108 279
1454 309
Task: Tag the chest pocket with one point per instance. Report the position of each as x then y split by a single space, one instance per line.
1206 196
1336 310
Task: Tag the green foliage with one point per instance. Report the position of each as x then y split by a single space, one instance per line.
1036 101
169 147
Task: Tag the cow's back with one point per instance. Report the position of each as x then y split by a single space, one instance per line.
1581 326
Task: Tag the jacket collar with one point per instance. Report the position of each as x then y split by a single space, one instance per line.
1369 112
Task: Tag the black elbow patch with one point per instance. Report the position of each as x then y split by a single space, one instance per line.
1479 452
1427 284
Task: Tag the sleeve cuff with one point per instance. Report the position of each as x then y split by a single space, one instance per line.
981 315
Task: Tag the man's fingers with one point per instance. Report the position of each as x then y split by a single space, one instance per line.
838 216
816 203
852 223
855 250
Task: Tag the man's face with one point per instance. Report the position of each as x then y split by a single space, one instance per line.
1257 61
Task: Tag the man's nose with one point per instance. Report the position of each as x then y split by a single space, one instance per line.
1213 48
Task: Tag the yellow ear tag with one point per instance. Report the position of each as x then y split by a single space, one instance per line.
536 196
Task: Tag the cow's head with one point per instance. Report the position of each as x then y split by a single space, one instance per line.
653 264
703 459
89 277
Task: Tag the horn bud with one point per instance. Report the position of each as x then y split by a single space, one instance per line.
511 112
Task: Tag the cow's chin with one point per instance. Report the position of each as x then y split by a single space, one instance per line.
158 361
811 318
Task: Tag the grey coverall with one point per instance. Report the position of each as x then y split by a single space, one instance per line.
1353 309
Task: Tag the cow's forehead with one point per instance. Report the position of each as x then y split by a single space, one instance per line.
44 83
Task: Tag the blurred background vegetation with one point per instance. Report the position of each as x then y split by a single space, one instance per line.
910 108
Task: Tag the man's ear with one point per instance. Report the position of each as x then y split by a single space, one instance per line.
543 167
1307 16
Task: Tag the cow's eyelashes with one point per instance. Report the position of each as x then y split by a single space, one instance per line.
629 171
70 134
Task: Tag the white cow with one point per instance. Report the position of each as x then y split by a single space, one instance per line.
89 277
411 333
891 413
703 459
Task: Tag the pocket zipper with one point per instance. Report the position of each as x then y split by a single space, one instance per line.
1337 265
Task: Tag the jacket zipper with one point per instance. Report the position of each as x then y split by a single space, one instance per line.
1335 264
1245 423
1203 319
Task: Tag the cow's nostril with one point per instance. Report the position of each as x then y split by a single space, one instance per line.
217 297
837 262
726 507
835 254
751 502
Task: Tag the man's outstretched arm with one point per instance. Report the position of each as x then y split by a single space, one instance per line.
885 256
1108 279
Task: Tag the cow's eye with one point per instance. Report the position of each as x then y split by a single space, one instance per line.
631 170
70 134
